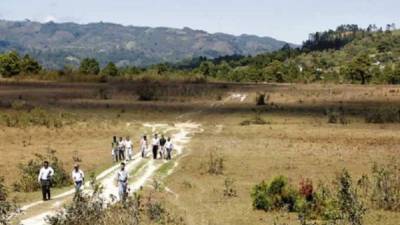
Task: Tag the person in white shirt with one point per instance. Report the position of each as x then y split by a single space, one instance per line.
155 143
44 178
128 148
121 149
78 177
122 179
143 146
169 147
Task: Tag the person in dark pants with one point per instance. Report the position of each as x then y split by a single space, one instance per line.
162 146
155 143
121 149
44 178
114 149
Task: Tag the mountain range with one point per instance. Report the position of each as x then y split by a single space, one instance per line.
57 44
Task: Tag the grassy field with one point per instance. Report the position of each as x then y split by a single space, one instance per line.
297 141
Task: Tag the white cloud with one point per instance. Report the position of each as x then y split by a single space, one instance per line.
49 18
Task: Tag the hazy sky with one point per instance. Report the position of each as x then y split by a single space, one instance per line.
289 20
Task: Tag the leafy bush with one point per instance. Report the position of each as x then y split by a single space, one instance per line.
29 172
276 195
6 207
83 210
383 115
343 204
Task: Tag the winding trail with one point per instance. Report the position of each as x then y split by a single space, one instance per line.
182 133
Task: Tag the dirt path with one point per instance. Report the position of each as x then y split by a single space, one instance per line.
35 213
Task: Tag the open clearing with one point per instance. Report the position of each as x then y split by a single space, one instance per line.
297 141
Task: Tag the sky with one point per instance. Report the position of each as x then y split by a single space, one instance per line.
288 20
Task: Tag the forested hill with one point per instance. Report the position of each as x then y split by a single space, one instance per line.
57 44
349 54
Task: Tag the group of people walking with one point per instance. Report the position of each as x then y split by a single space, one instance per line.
122 151
122 148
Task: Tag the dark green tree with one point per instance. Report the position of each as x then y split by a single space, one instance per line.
223 70
275 71
89 66
394 76
161 68
10 64
358 69
110 70
30 65
206 68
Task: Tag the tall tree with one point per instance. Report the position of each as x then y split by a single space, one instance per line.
89 66
358 69
10 64
30 65
110 70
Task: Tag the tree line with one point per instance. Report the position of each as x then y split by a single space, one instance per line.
348 54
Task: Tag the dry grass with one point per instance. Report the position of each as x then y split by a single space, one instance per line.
297 142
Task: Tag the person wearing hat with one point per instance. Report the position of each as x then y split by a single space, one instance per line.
78 177
44 178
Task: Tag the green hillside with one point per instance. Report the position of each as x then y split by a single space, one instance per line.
348 54
345 55
58 44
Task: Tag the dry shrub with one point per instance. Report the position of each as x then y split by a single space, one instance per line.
336 116
104 93
135 210
6 207
256 119
383 115
386 187
36 117
260 99
215 164
350 205
149 90
229 187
